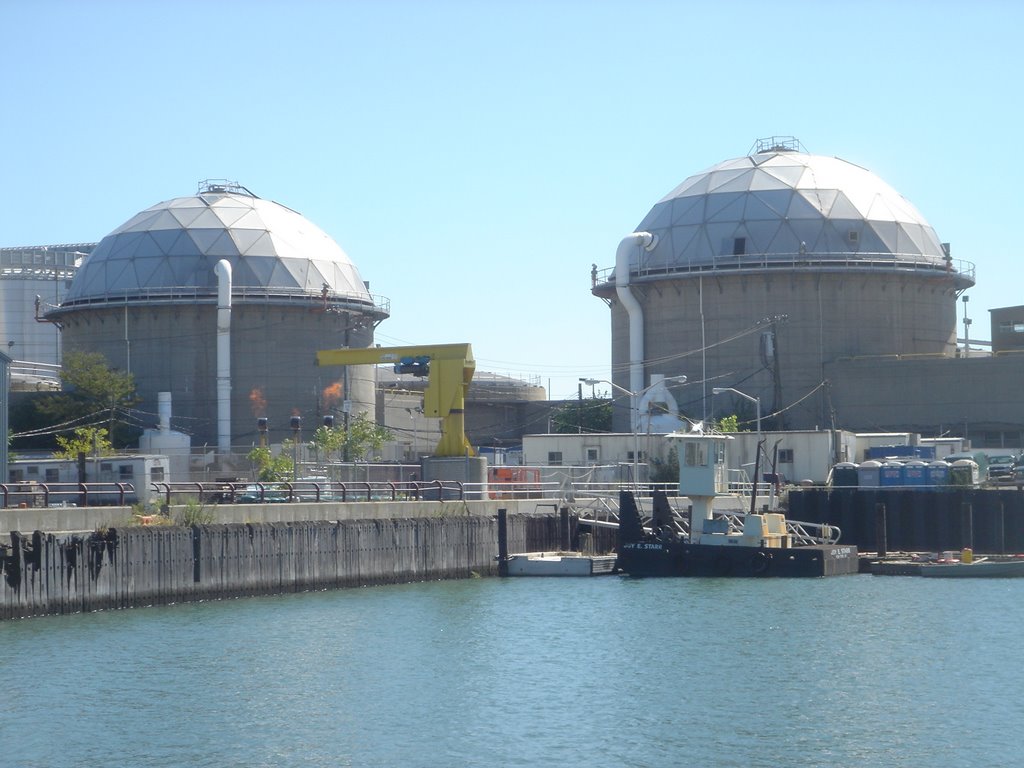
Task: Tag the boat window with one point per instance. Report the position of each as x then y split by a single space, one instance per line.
696 455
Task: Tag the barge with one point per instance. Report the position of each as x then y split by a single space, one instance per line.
709 543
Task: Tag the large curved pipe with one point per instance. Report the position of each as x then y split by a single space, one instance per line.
632 244
223 272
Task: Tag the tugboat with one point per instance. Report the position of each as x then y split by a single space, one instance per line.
710 543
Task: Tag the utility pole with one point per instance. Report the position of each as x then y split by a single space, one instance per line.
579 410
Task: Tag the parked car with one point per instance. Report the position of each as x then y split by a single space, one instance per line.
1018 476
1000 468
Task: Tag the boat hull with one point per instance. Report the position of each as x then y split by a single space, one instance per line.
989 569
677 558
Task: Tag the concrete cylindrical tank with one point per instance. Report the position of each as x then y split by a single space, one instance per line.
146 298
772 266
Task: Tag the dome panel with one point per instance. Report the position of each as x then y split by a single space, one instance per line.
687 210
204 238
730 181
178 242
163 239
725 207
162 220
816 200
766 206
186 215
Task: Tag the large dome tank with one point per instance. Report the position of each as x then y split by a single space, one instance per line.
763 268
147 299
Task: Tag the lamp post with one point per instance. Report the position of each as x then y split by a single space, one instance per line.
635 407
752 398
296 436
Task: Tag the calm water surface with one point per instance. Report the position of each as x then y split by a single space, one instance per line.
607 671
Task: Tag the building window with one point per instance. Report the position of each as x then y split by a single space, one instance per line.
32 471
156 474
52 475
1011 326
126 472
739 246
17 475
555 458
593 455
785 455
641 456
853 236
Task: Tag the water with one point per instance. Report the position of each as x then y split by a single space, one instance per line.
531 672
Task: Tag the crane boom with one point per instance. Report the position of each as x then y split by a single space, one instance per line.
451 368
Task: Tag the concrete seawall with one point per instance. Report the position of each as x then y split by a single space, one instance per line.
49 574
94 518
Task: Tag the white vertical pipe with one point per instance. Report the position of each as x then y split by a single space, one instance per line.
163 400
632 244
223 272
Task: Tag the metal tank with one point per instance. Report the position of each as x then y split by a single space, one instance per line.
756 272
30 276
223 300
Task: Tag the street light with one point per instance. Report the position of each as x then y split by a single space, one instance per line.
635 407
752 398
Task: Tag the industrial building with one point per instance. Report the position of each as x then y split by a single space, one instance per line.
223 299
807 285
29 278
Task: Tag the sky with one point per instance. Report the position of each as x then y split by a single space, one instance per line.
474 159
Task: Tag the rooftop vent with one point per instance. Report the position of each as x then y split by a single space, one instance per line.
221 187
777 144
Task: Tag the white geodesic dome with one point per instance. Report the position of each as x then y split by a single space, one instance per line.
781 205
172 248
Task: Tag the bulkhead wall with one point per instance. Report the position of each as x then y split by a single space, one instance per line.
818 317
273 363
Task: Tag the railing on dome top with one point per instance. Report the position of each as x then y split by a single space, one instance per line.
207 294
730 263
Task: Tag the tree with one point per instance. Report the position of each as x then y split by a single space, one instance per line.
729 424
92 390
92 441
269 468
328 441
362 438
591 414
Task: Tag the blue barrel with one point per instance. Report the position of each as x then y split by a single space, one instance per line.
868 474
938 473
844 475
915 474
890 474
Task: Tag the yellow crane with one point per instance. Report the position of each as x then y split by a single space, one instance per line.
449 370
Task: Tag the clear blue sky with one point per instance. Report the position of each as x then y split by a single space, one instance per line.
474 159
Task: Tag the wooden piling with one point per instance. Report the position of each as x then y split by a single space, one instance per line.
503 542
881 531
967 525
